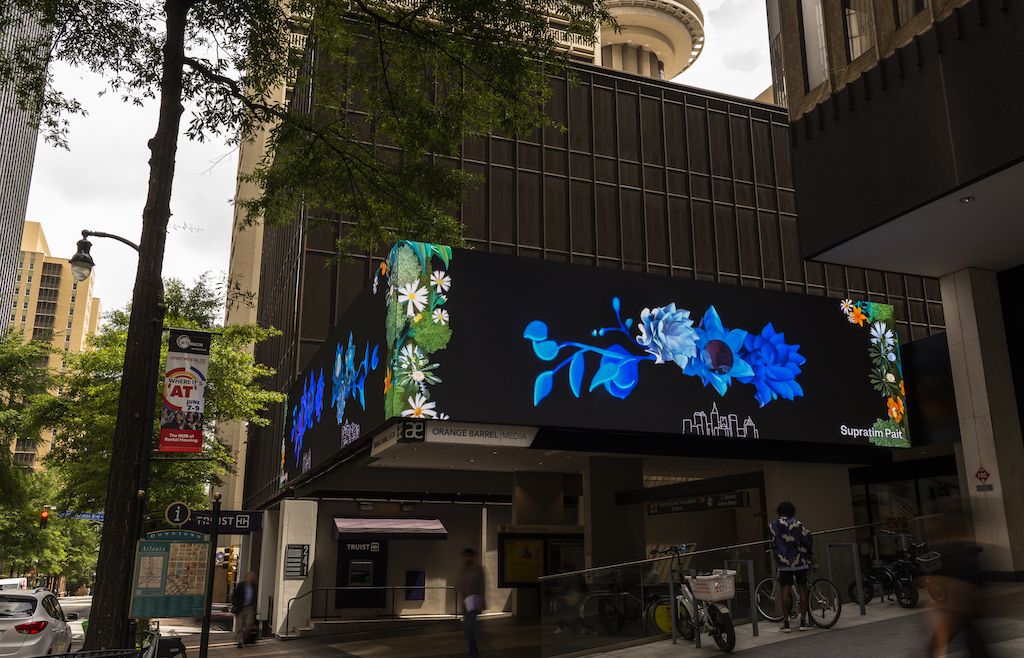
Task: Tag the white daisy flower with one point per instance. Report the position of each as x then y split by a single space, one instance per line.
414 296
420 408
442 416
440 316
890 377
441 281
846 306
418 376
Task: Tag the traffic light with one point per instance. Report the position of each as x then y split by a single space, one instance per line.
44 516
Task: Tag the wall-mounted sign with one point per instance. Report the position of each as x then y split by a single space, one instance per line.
699 503
181 418
237 522
296 561
514 436
524 555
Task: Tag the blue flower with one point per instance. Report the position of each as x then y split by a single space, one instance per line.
775 364
668 334
720 351
344 376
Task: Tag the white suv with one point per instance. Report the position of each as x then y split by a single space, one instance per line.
32 624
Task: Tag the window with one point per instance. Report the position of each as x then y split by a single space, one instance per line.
812 25
859 23
777 58
907 9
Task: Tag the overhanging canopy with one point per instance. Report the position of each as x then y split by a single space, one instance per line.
383 529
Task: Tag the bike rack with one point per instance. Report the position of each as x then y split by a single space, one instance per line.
855 550
750 579
675 604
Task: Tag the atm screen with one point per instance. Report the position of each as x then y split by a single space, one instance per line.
360 573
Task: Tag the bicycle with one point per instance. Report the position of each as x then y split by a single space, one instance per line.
900 577
824 604
700 607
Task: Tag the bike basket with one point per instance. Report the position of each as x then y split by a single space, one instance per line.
930 562
719 586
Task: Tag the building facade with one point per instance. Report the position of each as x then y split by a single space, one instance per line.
901 110
49 305
650 177
17 154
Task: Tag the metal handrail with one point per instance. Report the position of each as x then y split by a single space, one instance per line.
718 549
287 619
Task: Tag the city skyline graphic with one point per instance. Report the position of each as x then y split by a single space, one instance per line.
716 424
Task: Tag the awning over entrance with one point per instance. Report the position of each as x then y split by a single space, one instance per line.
383 529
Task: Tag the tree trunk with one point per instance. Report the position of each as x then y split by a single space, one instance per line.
116 560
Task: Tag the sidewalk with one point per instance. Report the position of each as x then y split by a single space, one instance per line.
886 630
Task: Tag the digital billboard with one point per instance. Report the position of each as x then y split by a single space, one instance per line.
473 337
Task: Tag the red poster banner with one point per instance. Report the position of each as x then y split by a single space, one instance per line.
181 419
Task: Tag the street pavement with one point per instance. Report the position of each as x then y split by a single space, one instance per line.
885 631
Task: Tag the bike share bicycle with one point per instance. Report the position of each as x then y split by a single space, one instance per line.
701 607
824 604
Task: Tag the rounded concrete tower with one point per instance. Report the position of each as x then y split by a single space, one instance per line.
659 38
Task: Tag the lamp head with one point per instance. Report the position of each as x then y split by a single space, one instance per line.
81 263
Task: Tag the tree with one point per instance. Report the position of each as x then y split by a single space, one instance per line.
23 377
85 413
458 68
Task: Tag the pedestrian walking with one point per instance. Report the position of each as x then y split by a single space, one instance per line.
243 605
471 588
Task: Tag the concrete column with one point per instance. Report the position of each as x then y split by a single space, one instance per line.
538 498
820 493
990 431
296 525
266 580
612 533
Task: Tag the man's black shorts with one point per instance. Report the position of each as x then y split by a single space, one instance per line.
787 577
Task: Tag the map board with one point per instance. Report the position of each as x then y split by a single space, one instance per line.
170 579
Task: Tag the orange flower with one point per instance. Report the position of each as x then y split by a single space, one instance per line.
387 382
857 316
903 391
895 409
384 268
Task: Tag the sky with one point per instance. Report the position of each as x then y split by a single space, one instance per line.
100 183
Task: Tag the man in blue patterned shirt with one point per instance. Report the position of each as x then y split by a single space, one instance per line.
791 546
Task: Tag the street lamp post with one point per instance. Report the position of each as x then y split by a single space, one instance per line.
81 267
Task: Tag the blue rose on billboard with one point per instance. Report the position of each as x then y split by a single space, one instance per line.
668 334
775 365
720 351
710 352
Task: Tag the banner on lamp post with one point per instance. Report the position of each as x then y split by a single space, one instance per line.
181 418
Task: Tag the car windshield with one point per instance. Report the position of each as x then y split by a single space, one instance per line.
17 607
